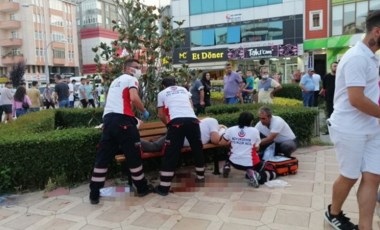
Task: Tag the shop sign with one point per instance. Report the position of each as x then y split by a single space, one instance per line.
188 56
260 52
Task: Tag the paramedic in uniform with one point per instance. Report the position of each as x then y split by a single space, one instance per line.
176 111
120 131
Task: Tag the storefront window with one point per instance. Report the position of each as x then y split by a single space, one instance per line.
337 14
275 30
261 31
233 34
374 5
208 37
221 36
361 14
196 38
349 26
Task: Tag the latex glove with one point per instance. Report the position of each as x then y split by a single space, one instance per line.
145 115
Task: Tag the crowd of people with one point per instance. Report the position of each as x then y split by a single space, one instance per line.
17 102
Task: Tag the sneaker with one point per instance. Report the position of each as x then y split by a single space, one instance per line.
340 221
254 180
159 192
226 171
150 189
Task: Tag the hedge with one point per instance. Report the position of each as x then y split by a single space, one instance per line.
62 143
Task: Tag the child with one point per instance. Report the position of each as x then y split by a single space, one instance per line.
245 141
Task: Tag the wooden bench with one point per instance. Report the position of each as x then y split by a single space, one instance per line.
152 131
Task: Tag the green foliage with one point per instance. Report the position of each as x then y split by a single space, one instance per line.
33 150
69 118
290 91
140 36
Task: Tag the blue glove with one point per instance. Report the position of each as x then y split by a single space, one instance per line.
145 115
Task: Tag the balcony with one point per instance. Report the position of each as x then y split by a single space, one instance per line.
8 25
58 45
10 42
10 60
59 61
6 7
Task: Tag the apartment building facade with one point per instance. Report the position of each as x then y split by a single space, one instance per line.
42 33
248 33
94 21
341 25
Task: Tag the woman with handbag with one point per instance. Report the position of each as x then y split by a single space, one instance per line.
21 102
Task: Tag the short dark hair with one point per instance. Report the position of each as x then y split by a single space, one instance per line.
129 62
245 119
58 76
34 83
266 110
8 83
82 79
372 20
73 81
168 81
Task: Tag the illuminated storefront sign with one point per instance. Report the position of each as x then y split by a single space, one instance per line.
188 56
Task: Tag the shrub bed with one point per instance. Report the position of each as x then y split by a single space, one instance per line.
62 143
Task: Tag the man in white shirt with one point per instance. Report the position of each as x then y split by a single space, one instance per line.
6 101
120 131
210 130
176 111
71 93
275 129
317 83
355 130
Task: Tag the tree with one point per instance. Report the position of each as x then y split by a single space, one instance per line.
140 38
17 73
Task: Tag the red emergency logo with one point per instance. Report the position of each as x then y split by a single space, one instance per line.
241 133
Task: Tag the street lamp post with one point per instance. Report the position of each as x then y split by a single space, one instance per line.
47 75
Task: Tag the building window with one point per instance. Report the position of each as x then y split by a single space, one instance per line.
349 26
337 20
209 6
316 20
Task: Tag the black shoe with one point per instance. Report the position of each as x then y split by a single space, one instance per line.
226 170
159 192
340 221
149 189
94 197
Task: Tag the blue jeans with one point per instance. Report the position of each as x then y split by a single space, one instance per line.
71 104
64 103
308 98
231 100
20 112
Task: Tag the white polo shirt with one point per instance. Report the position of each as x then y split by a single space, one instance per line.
176 102
359 66
317 81
243 142
207 125
118 98
277 125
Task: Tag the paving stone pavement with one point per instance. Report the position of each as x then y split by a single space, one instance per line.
222 203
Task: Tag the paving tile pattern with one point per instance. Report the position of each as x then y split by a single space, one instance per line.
220 203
